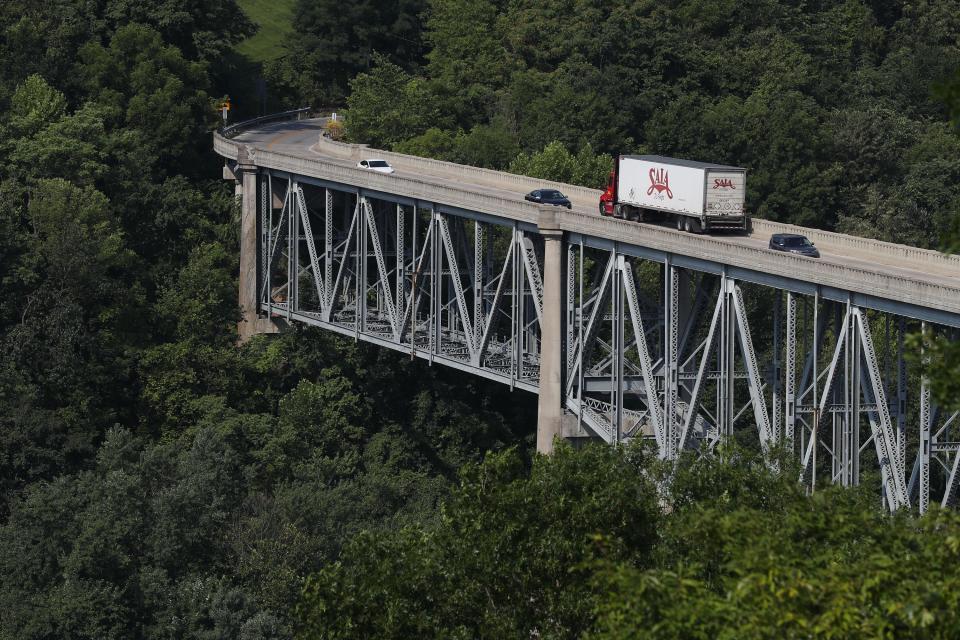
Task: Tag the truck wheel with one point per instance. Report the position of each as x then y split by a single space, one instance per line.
687 226
679 223
601 208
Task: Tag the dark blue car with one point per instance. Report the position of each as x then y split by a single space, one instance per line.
793 243
548 196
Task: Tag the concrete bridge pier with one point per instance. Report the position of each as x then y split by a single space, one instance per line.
550 403
252 321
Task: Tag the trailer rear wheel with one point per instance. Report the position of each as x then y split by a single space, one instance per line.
679 223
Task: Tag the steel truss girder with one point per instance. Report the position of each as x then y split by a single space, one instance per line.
413 293
470 294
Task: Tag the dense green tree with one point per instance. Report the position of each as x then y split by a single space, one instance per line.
506 559
336 41
823 566
490 146
388 105
466 57
739 551
554 162
151 89
160 481
201 29
44 37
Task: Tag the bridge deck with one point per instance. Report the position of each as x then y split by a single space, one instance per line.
871 271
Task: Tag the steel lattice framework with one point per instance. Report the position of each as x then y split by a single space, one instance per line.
648 348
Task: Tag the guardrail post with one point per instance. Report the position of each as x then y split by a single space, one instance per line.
550 405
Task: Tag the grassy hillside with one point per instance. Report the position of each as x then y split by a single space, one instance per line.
275 18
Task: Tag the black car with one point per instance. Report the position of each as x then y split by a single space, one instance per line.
549 196
793 243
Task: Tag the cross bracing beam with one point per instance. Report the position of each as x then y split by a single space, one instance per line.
653 347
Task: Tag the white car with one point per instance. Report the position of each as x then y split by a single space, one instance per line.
380 166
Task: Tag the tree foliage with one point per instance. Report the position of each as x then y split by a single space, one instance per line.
158 481
507 558
336 41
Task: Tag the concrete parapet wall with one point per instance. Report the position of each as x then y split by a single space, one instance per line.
944 263
429 166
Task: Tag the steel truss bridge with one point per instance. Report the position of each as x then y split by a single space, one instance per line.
624 330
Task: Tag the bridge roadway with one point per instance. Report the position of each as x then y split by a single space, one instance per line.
905 280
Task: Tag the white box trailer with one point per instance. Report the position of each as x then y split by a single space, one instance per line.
699 196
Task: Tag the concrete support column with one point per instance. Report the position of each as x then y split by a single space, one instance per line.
550 407
250 322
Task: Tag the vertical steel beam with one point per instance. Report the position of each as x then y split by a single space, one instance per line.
791 371
384 294
293 246
571 307
925 439
520 335
580 338
776 372
901 392
855 356
327 247
362 253
436 306
335 288
814 433
671 366
479 239
268 265
400 269
515 330
616 351
725 383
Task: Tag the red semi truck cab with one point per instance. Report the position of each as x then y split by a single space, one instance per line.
608 198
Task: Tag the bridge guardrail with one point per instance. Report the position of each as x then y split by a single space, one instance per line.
840 241
357 151
414 188
233 129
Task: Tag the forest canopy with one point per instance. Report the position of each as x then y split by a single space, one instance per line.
157 480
